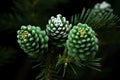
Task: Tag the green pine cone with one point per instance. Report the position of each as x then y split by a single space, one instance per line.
82 42
32 40
57 29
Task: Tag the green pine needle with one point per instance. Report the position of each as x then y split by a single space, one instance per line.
87 16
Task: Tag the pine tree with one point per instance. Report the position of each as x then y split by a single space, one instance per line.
62 49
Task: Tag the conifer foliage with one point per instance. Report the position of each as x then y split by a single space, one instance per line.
81 44
61 47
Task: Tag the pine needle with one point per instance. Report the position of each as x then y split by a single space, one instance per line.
96 21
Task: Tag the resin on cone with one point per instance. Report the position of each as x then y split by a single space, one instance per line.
82 42
32 40
57 29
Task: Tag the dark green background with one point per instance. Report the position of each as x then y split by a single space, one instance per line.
111 59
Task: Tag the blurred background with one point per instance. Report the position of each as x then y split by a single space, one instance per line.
14 13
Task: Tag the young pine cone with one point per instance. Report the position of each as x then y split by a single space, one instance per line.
32 40
102 8
82 42
57 29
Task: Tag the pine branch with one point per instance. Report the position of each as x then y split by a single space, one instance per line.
48 71
96 21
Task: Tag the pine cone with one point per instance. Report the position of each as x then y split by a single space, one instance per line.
57 29
82 42
32 40
102 8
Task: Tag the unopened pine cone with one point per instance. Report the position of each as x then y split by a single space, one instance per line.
32 40
82 42
57 29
